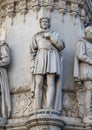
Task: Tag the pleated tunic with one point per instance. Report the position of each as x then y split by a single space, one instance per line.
46 53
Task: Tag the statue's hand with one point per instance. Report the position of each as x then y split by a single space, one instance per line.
47 36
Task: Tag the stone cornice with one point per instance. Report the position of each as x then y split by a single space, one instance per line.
12 7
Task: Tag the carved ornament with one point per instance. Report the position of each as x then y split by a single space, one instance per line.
12 7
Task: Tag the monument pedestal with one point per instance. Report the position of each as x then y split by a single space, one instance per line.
46 120
88 119
3 121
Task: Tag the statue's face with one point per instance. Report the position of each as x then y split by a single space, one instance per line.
89 34
44 24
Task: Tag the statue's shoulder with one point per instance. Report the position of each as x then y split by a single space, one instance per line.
82 40
55 33
81 43
37 34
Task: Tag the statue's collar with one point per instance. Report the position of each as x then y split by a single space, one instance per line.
45 31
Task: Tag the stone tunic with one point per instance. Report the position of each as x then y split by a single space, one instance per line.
46 53
83 66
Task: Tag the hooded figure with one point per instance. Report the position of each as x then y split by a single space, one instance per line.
5 92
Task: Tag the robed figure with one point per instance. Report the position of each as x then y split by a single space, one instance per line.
4 84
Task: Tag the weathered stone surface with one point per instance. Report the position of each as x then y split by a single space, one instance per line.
69 105
22 104
75 8
21 18
41 119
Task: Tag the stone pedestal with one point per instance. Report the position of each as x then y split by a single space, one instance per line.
46 120
88 119
3 121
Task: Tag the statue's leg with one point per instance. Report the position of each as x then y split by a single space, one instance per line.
88 97
38 91
50 90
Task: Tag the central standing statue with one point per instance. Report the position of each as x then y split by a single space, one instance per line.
46 53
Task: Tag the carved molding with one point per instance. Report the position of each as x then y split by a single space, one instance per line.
38 122
11 7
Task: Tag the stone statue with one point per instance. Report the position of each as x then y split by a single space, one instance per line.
83 73
5 92
46 53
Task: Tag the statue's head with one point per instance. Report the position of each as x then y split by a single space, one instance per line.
88 32
45 23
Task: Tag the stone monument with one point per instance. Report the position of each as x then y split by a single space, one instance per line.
28 24
46 51
46 64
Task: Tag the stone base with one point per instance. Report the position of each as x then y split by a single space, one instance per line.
46 120
88 120
3 121
39 120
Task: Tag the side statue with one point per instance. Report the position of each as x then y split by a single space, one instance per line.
5 92
46 64
83 74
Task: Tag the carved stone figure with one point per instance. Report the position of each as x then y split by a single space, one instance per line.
5 92
83 73
46 63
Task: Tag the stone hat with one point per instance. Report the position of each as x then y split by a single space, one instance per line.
44 14
45 18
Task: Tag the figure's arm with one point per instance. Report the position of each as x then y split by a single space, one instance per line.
5 55
81 53
33 51
57 41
